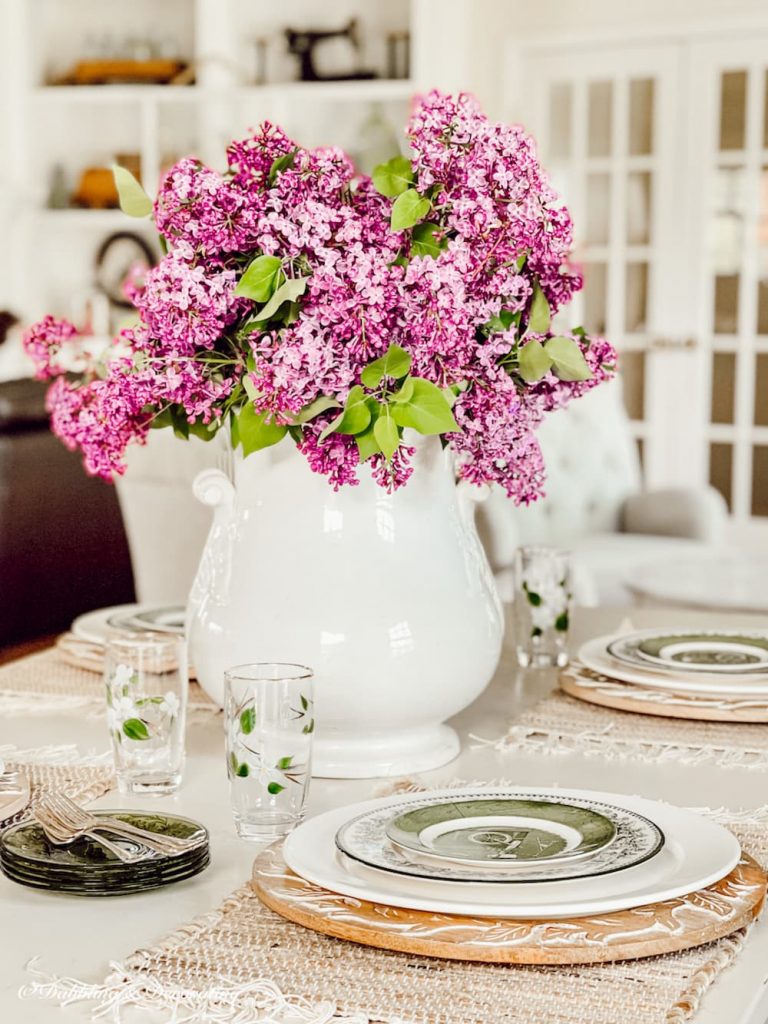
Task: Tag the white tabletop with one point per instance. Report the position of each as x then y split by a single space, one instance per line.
733 581
78 937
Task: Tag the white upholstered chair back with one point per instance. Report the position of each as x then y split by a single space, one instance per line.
592 467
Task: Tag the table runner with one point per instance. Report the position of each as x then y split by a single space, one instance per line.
44 682
61 769
561 724
243 963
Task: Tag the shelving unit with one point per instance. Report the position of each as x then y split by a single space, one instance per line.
47 262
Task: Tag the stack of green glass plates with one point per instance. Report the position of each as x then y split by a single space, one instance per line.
86 869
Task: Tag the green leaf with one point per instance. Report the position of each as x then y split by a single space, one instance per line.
247 720
284 763
135 729
405 394
260 279
274 788
242 771
233 762
424 243
321 404
427 410
354 419
255 432
289 291
304 702
205 431
393 177
567 358
533 598
502 322
561 622
367 444
533 361
408 209
395 362
282 163
386 433
539 316
309 727
133 199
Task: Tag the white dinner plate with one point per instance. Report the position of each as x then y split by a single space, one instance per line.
94 626
593 655
697 853
104 623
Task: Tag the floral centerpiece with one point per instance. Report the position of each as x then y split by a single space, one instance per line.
297 300
300 304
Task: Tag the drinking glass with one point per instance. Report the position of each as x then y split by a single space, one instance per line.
542 608
146 681
269 722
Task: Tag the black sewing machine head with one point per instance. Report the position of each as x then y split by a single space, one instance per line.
303 43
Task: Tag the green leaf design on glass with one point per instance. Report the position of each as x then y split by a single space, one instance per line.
304 702
284 762
309 727
247 720
134 201
393 177
274 788
242 771
561 622
408 209
135 729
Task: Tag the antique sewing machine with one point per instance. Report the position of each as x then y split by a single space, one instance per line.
303 43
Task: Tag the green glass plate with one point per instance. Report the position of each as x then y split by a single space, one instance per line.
502 831
25 846
106 887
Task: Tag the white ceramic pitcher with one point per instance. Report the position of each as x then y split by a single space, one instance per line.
388 597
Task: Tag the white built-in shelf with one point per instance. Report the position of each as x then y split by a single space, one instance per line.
71 95
114 220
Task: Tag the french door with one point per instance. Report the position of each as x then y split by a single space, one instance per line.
661 152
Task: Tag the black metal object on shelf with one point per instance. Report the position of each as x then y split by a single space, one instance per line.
303 43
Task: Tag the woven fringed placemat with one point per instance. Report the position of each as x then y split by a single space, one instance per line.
58 769
560 724
243 963
45 682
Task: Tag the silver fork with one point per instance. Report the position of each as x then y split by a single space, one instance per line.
77 817
62 835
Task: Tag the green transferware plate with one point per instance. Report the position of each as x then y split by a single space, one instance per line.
502 831
706 652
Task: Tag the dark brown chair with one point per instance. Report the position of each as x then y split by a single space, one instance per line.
63 549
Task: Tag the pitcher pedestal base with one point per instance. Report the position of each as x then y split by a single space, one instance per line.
385 754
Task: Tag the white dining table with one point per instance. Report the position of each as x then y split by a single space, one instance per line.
77 937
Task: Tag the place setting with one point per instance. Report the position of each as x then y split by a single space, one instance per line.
709 675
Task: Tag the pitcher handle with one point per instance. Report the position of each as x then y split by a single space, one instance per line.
213 488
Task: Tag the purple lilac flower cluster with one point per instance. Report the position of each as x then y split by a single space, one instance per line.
296 298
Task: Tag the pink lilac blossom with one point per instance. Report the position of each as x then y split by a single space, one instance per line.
460 311
43 342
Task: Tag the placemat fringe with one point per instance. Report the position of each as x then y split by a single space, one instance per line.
225 1003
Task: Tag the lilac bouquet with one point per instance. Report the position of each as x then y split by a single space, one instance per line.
298 299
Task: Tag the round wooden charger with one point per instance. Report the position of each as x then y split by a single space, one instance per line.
594 688
657 928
